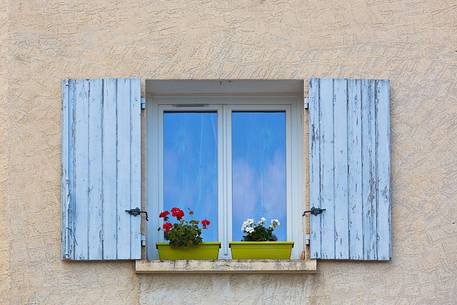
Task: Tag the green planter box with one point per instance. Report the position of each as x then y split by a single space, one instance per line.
204 251
261 249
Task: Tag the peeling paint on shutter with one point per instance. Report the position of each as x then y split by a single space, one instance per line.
101 167
349 123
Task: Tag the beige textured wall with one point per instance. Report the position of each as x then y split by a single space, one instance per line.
4 240
411 42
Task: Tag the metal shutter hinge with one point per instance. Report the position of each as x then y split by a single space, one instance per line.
143 103
143 240
307 239
306 103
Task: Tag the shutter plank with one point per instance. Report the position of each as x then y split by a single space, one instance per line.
383 149
95 170
135 178
123 168
314 128
355 170
109 165
341 170
81 168
327 169
71 174
67 115
369 178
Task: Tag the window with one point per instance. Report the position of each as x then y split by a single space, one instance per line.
190 165
226 157
259 169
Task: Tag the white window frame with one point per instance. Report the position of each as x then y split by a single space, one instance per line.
224 106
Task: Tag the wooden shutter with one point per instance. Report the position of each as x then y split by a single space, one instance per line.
101 166
349 123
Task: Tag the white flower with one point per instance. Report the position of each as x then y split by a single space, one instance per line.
249 229
247 224
243 227
261 221
275 223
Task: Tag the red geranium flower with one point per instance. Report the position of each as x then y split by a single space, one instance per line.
167 226
177 212
205 223
164 214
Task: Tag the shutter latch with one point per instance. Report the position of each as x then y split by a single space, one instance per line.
137 211
314 211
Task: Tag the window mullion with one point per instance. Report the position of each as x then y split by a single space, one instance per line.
228 173
221 183
225 182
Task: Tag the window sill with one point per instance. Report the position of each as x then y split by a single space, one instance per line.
227 266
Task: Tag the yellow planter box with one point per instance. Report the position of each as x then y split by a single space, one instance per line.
261 249
204 251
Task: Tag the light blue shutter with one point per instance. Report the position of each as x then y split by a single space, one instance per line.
101 169
349 123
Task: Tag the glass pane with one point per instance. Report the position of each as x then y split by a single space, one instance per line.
258 169
190 165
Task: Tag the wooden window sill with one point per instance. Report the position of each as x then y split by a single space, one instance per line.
226 266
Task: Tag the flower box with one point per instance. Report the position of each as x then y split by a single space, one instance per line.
204 251
261 249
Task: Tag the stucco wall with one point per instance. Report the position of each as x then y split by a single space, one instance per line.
413 43
4 240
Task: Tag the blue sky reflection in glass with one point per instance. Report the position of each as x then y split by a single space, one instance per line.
190 166
258 169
